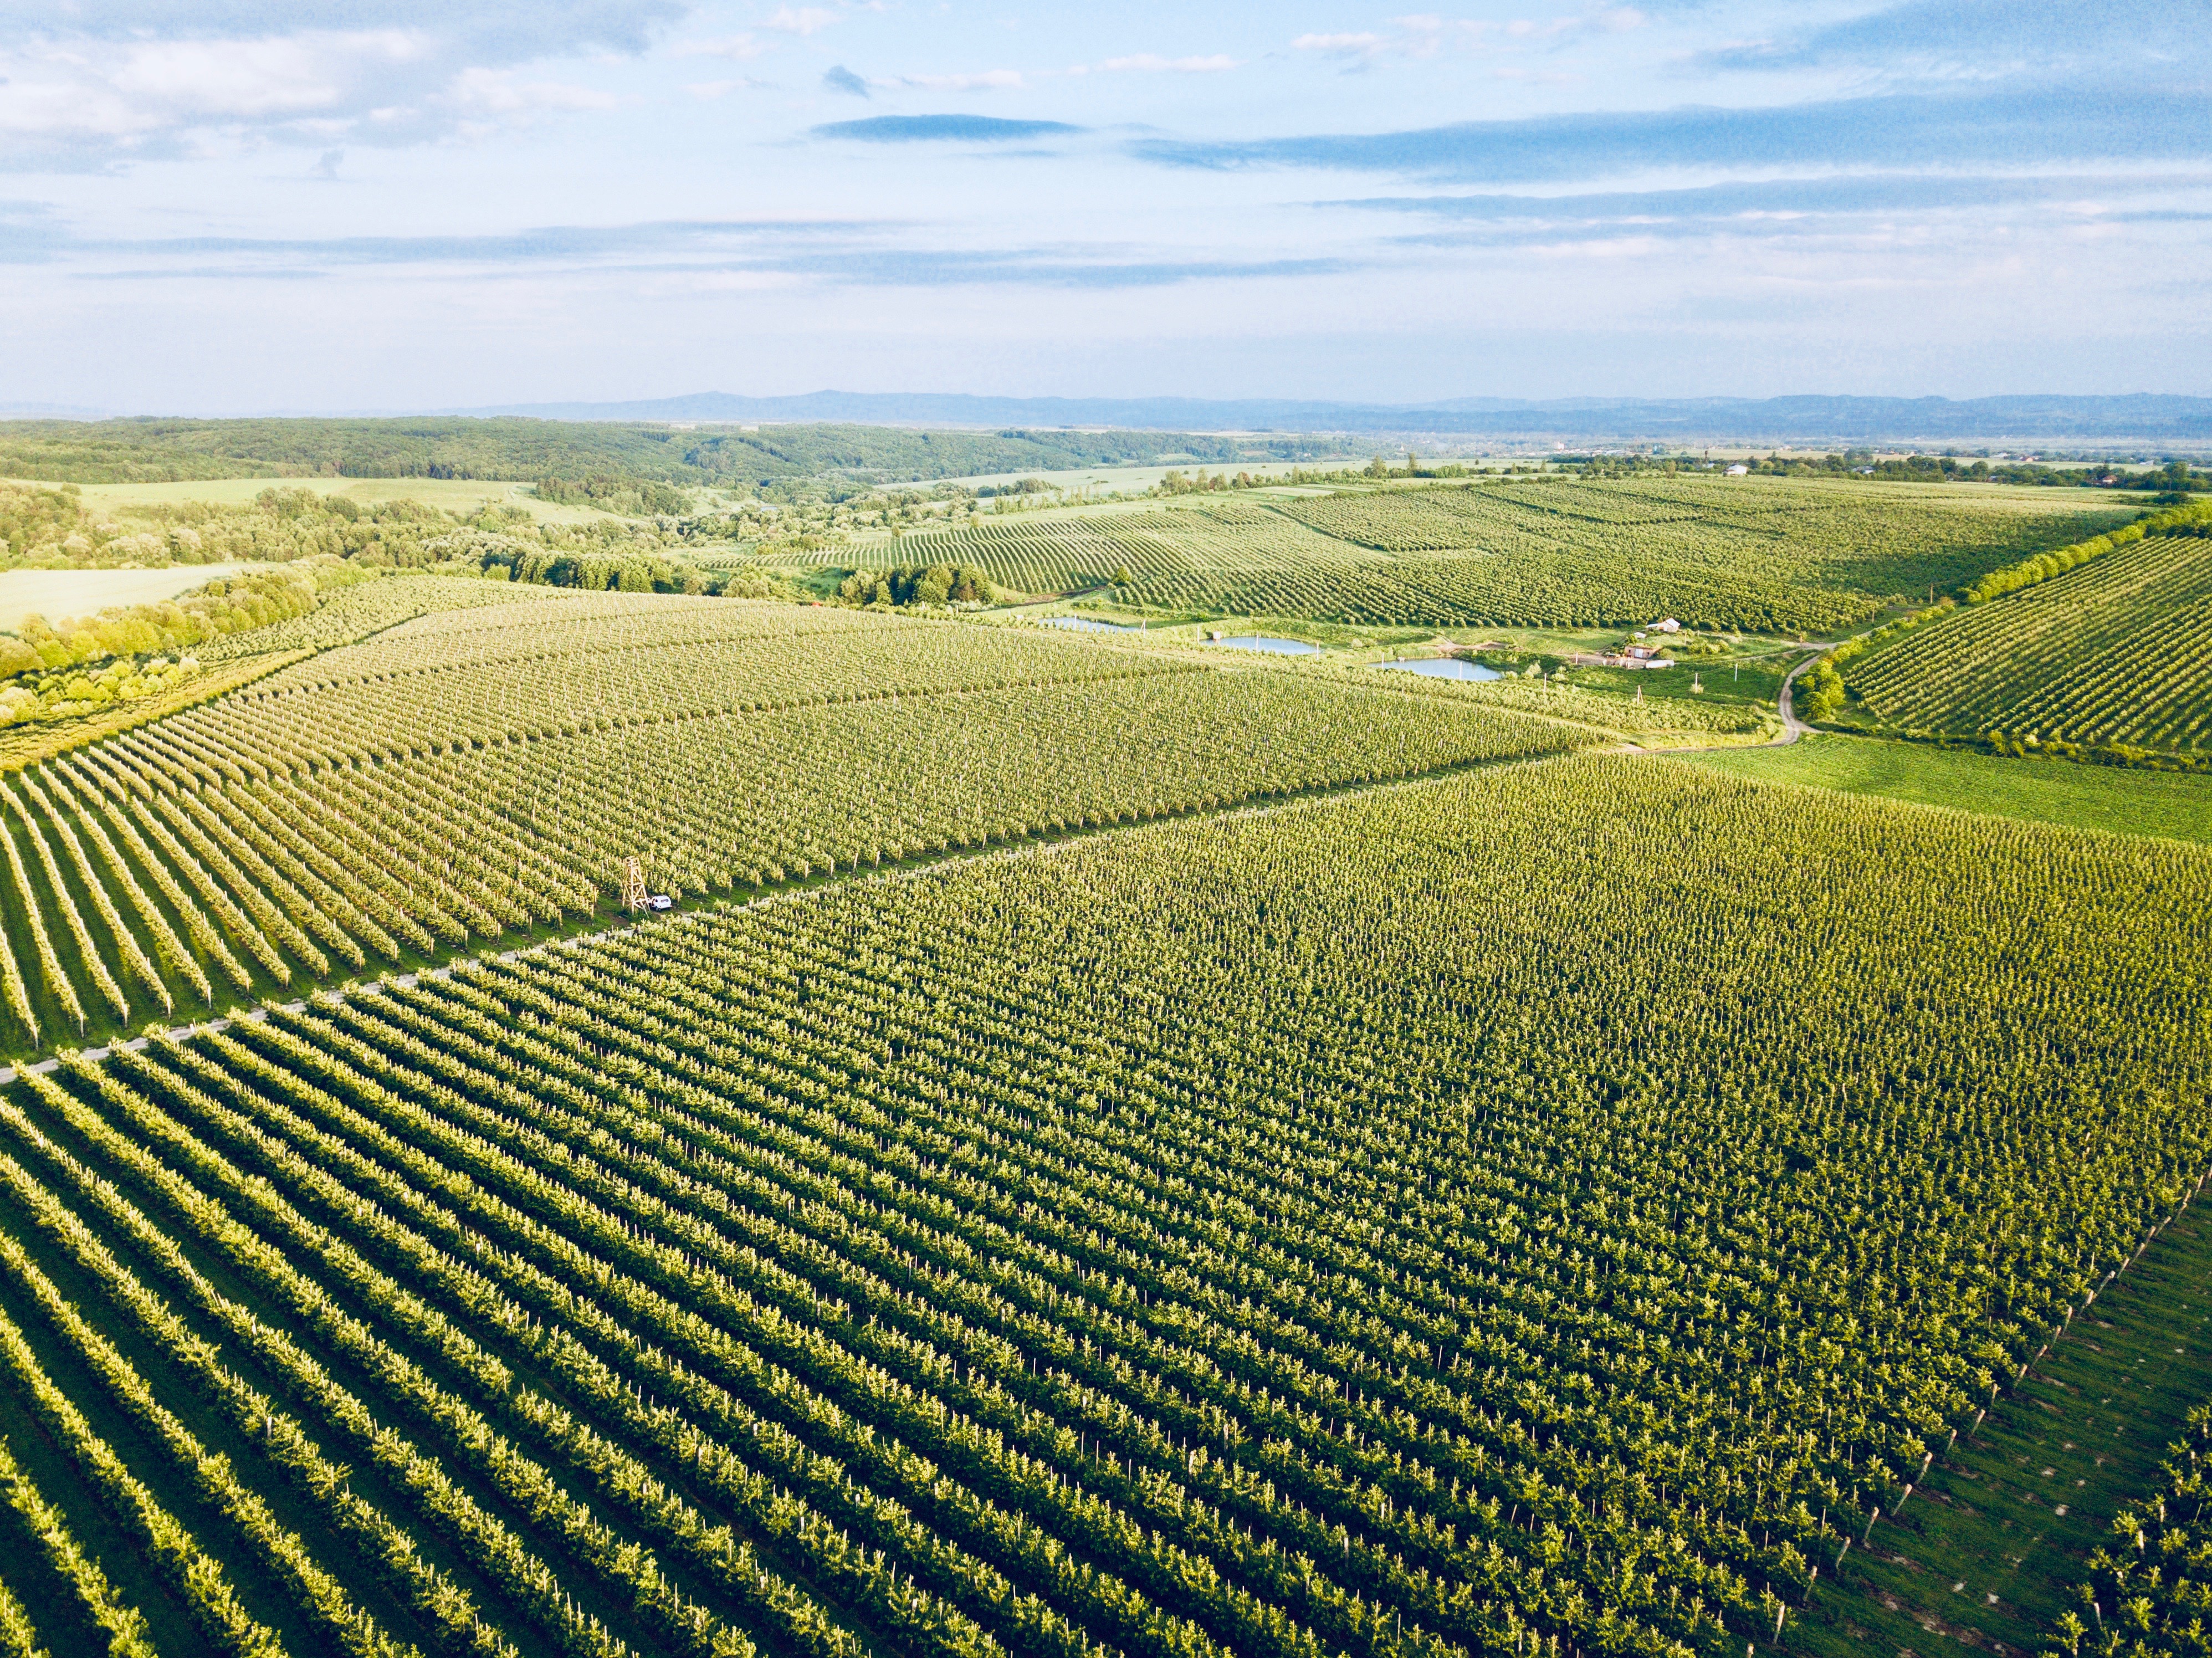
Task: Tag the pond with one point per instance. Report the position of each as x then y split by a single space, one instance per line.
1090 625
1444 667
1263 642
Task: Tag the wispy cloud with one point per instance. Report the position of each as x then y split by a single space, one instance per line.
1971 40
1362 44
709 91
838 78
31 232
722 254
933 129
1879 204
988 80
1418 35
2022 129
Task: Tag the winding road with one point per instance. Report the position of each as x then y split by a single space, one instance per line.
1792 727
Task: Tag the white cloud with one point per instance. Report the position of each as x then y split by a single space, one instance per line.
56 91
989 80
100 80
1340 45
804 20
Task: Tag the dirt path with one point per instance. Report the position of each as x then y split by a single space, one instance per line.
1792 727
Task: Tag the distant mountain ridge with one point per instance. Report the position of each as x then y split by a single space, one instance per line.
2139 416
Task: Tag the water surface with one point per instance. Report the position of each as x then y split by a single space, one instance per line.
1444 667
1264 642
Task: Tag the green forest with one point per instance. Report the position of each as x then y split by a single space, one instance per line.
161 451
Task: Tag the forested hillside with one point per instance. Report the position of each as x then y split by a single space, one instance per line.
125 451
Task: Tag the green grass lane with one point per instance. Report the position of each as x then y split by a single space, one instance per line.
2176 806
1988 1552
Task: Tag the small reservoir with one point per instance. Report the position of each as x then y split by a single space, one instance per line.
1444 667
1264 642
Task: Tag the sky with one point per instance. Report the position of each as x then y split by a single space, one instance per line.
324 206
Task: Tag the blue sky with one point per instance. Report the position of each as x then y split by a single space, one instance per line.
239 205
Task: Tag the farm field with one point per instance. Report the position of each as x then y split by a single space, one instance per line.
1766 555
2112 654
463 497
56 593
475 772
2122 801
1279 1233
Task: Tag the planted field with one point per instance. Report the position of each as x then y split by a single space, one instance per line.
1655 720
354 613
478 772
1767 556
1545 1209
2115 653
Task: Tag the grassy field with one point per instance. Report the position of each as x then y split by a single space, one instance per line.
2121 801
1764 556
2112 652
58 593
1036 1253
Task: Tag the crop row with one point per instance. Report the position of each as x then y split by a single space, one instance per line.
1774 557
395 799
2113 652
356 612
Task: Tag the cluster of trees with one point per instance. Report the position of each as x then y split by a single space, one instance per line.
596 573
1375 471
54 528
632 497
914 585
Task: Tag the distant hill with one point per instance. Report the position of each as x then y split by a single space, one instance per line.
471 447
2143 417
